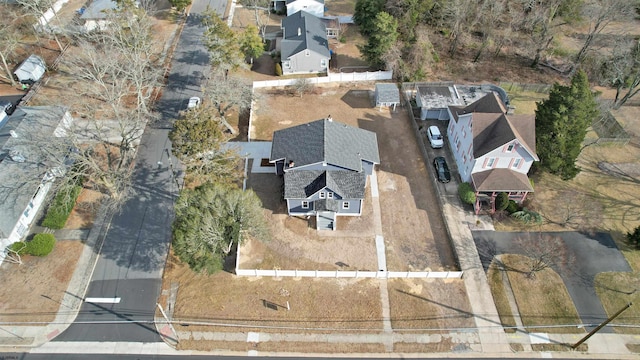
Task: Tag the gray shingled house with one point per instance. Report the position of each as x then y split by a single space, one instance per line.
325 165
27 171
304 47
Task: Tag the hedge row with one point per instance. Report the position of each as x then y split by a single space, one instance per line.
61 207
41 245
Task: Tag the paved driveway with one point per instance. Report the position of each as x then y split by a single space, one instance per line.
593 254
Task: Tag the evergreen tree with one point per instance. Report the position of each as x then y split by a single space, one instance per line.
365 15
561 125
381 40
251 43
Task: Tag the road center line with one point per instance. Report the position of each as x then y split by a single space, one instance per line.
103 300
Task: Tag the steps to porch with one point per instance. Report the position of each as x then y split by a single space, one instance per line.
325 220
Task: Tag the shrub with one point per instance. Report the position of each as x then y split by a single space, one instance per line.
20 247
633 238
41 245
61 207
465 191
342 39
527 216
502 201
512 207
278 69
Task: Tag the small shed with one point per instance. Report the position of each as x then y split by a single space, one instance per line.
387 95
31 70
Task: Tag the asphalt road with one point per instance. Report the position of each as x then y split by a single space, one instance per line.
135 248
590 255
19 356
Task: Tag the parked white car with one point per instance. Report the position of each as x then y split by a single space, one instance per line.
194 102
435 137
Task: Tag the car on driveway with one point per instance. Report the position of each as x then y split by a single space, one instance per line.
194 102
8 107
442 169
435 137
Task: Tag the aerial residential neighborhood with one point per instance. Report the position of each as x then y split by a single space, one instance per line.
321 178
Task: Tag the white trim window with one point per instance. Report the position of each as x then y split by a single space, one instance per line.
321 194
510 147
345 205
329 195
516 163
490 162
305 204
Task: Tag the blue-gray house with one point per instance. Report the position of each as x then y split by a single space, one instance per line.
325 166
304 47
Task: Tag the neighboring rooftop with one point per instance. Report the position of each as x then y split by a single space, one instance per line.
99 9
302 31
443 95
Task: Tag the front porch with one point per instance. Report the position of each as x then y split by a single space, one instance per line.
487 200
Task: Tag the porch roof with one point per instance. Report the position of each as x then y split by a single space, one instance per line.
501 180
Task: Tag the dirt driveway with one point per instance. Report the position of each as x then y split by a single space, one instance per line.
413 228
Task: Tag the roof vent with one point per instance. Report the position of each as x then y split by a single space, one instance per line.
13 134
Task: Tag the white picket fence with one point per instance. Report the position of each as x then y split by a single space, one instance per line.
332 77
351 274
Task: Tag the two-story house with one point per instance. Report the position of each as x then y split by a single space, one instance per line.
304 47
325 165
493 151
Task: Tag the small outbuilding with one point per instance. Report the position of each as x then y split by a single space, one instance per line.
387 95
31 70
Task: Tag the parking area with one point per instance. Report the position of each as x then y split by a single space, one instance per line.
413 228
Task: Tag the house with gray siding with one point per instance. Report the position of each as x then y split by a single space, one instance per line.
325 165
304 47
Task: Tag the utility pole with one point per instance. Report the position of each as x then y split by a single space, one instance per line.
601 326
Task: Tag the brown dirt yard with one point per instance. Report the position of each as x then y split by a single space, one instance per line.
413 228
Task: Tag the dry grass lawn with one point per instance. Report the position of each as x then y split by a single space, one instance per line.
32 292
542 300
494 277
616 291
315 304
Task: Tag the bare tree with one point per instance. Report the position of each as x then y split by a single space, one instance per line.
599 14
542 252
621 70
40 9
538 20
458 16
9 40
261 13
490 13
226 94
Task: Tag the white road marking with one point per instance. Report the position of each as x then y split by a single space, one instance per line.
103 300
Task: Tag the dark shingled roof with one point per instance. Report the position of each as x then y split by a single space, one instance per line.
313 35
325 141
301 184
501 180
492 128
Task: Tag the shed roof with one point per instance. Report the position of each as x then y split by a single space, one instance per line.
31 68
387 94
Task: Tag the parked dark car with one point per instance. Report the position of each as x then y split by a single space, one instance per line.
442 170
8 107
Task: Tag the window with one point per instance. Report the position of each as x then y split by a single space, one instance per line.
516 163
322 195
491 162
345 205
305 204
329 195
323 63
510 147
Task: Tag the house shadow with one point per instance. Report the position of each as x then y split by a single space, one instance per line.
358 99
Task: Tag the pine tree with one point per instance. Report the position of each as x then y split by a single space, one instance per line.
383 37
561 125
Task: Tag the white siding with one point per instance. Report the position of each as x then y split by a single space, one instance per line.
460 139
311 6
505 160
